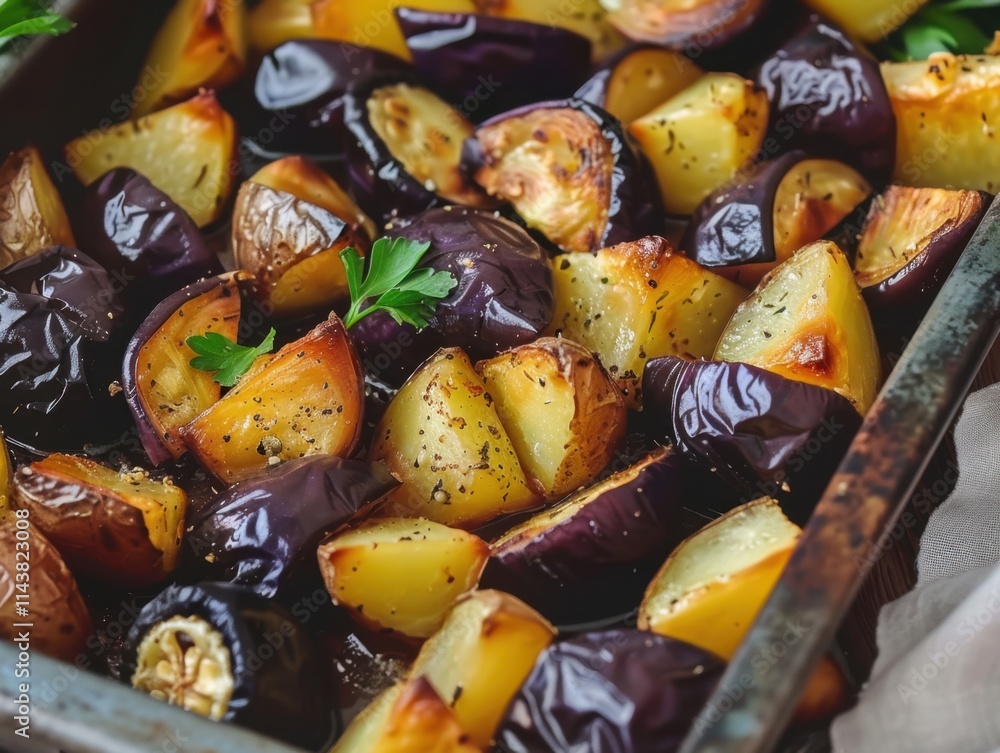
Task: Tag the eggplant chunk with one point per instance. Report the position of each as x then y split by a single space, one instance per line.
163 390
586 17
290 222
705 24
615 690
568 169
808 321
401 574
480 656
637 301
32 216
947 112
584 412
870 20
201 44
121 527
186 151
306 399
701 138
442 437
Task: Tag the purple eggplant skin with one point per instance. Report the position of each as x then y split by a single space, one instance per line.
763 434
614 690
60 337
148 243
280 688
828 98
634 204
299 88
258 533
492 64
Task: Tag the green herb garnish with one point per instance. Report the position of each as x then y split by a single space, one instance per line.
957 26
405 293
21 17
227 359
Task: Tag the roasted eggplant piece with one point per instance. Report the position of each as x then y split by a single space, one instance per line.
632 83
828 99
480 656
748 226
493 64
258 533
911 242
442 437
143 236
227 653
306 399
569 170
807 321
201 45
187 151
586 17
122 527
640 300
702 137
404 148
31 212
401 574
298 93
580 559
163 390
59 621
870 20
703 24
585 414
290 223
612 690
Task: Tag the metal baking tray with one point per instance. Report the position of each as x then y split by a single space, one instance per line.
52 90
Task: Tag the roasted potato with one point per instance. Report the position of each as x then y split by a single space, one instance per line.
871 20
702 137
121 527
808 321
187 151
586 17
947 115
480 657
637 301
306 399
401 574
442 437
290 223
31 212
584 412
201 44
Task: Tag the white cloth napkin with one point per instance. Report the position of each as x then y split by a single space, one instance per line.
935 687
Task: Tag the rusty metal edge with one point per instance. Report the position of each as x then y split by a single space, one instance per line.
755 698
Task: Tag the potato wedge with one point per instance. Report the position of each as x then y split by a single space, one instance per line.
201 44
588 18
636 301
700 138
290 222
442 437
808 321
187 151
306 399
584 411
401 574
644 79
32 216
947 117
871 20
480 657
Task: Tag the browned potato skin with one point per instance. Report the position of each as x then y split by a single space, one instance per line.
59 617
94 527
525 380
32 216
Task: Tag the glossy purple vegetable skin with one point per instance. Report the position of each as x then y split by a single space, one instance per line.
491 64
615 690
258 533
700 26
764 434
828 98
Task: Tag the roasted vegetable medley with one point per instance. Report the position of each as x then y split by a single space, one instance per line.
456 375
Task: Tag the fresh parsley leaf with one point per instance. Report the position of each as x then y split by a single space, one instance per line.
227 359
957 26
20 17
407 294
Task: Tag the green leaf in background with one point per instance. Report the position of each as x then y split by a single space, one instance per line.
957 26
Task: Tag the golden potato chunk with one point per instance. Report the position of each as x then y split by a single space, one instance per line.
646 78
871 20
32 216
